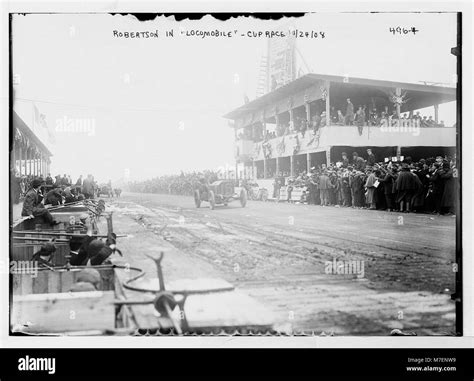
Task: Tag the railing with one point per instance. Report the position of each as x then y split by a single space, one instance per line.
405 135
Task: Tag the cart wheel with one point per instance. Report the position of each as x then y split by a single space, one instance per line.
197 198
243 198
212 199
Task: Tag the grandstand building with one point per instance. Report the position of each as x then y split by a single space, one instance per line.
29 155
269 138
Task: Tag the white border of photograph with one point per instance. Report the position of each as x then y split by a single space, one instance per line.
247 6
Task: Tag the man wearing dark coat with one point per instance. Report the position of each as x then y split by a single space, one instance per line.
357 186
406 186
388 180
346 190
49 179
54 197
324 186
312 185
448 197
349 117
437 187
88 187
32 205
359 163
370 158
345 160
65 181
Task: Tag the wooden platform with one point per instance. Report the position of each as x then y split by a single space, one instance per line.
63 312
59 281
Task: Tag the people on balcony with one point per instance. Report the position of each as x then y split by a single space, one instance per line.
360 119
340 118
363 116
349 117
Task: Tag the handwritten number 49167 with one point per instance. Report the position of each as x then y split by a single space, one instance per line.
401 31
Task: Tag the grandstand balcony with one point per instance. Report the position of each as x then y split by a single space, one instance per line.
347 136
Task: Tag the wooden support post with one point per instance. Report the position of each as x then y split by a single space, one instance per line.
292 120
264 168
308 111
399 152
328 156
21 159
436 112
308 162
292 165
254 170
29 161
328 104
277 169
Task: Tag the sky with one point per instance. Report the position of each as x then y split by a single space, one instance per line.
155 106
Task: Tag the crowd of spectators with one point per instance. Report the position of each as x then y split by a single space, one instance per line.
361 116
54 191
182 184
428 185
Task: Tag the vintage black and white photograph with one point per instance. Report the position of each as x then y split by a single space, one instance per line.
287 176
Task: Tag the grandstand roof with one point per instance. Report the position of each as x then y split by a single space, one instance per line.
19 124
420 95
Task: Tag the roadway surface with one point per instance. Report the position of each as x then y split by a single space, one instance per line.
282 255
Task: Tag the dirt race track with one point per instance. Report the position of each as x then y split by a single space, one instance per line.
279 253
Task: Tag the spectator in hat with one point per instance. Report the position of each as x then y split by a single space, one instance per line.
32 206
88 187
359 163
324 186
49 179
360 119
349 117
430 122
388 181
370 158
65 181
345 160
424 122
406 186
448 196
340 118
323 119
370 184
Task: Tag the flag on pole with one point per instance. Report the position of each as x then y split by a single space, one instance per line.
40 124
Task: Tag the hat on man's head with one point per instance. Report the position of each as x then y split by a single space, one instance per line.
36 183
355 154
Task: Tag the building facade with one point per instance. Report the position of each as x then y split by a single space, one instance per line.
305 124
